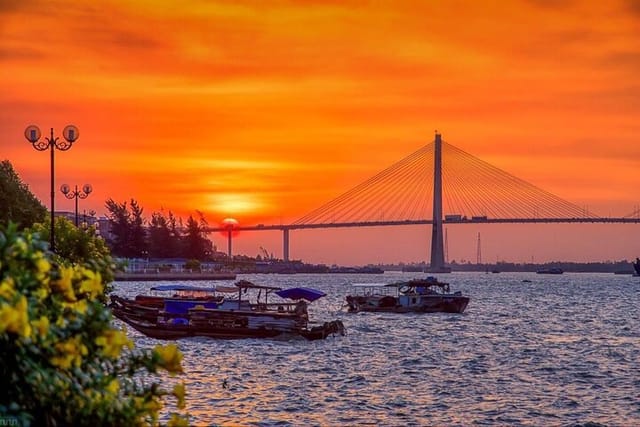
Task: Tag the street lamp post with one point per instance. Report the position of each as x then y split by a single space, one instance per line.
75 194
70 134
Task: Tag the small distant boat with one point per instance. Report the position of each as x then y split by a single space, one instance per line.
413 296
210 312
550 271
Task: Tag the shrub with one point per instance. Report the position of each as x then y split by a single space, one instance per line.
61 360
192 265
78 245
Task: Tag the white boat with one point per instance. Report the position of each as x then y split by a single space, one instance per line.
413 296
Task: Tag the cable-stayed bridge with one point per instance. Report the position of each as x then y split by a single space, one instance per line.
438 178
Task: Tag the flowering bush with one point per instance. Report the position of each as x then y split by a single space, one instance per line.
79 245
61 360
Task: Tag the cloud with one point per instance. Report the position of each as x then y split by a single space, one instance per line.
12 5
633 6
14 53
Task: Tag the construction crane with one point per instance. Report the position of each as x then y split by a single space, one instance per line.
265 254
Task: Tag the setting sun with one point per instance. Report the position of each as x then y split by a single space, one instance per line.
236 204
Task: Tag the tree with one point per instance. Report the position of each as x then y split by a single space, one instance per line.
164 236
17 203
196 246
119 219
129 235
138 244
160 241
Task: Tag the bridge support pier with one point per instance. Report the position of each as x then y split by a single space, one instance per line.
437 242
285 244
229 242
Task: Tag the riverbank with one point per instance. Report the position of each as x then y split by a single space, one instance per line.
153 276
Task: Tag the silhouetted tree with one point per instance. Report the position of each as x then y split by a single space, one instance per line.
196 245
17 203
119 218
162 237
127 227
138 243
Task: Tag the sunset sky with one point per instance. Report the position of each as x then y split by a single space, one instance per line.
263 111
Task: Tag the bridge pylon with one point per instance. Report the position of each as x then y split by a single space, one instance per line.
437 241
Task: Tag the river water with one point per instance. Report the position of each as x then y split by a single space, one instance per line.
560 350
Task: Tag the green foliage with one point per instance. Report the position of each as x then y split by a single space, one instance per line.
192 265
78 245
17 203
61 361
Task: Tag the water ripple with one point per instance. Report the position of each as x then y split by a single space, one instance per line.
558 351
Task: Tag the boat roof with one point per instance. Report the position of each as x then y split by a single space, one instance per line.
301 293
372 285
245 284
429 281
183 288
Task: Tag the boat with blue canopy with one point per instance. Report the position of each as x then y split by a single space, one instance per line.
244 310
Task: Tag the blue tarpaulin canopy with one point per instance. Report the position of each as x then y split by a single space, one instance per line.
301 293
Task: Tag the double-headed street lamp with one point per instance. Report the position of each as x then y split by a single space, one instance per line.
70 134
75 194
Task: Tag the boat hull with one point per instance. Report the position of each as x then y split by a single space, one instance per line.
426 304
215 323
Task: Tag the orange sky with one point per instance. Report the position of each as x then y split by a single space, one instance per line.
266 110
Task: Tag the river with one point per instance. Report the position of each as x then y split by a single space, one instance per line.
552 350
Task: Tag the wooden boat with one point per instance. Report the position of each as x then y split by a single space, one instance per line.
413 296
216 316
183 292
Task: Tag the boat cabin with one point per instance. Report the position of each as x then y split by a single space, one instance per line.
417 295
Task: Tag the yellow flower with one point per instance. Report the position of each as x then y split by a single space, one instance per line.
112 342
42 266
170 357
7 289
41 293
64 284
114 386
15 319
177 421
41 325
80 306
69 352
63 361
178 392
92 283
61 322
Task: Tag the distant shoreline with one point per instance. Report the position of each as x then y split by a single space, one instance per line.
150 277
